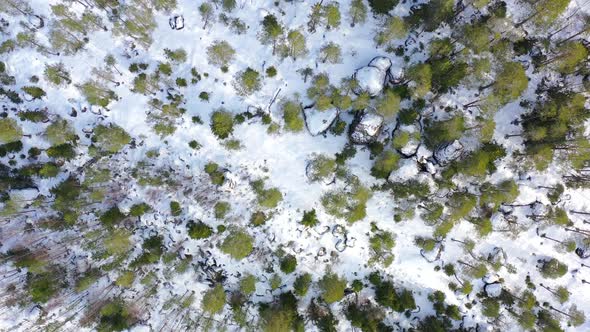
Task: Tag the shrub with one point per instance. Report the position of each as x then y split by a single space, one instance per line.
382 6
221 209
247 82
385 164
366 316
301 284
110 139
288 264
220 53
332 287
309 218
292 116
199 230
126 279
138 210
41 286
238 244
175 209
214 300
248 284
10 131
114 316
215 174
112 216
60 132
271 71
222 123
321 168
117 242
267 198
553 269
258 218
63 151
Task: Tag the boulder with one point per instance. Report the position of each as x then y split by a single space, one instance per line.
381 62
406 139
370 79
448 152
493 290
318 122
366 127
176 22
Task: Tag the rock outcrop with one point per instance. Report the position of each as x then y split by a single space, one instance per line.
318 122
372 78
366 127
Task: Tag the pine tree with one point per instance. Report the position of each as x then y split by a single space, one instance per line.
220 53
358 12
272 31
330 53
207 14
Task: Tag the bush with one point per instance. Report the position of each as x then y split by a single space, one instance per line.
292 116
332 287
112 216
175 209
60 132
271 71
267 198
114 316
301 284
382 6
321 168
222 123
214 300
215 174
366 316
10 131
258 218
238 244
138 210
309 218
41 286
247 82
491 308
385 164
62 151
199 230
220 53
221 209
288 264
248 284
110 139
553 269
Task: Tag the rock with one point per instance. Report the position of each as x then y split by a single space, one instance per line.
448 152
370 79
497 256
318 122
583 252
176 22
365 128
493 290
406 139
491 278
381 62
